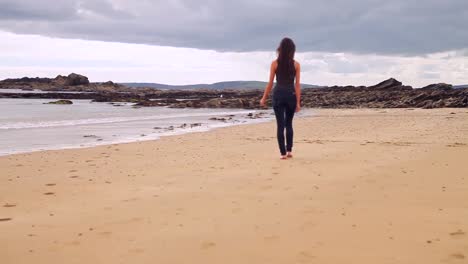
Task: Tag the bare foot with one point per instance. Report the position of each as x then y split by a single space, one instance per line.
283 157
289 155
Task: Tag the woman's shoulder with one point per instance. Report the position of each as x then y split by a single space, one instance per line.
297 65
274 65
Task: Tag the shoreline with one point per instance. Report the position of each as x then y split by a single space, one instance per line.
305 114
142 139
390 180
103 126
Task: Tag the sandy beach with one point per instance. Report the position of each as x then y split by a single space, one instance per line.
365 186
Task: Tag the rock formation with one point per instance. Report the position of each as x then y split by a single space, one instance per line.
61 102
73 82
387 94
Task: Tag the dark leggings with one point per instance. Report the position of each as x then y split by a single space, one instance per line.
284 107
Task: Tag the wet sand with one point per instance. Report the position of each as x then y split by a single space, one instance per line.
364 186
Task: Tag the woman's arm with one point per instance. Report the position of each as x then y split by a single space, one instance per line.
273 66
298 86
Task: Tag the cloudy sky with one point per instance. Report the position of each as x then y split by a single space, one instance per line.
203 41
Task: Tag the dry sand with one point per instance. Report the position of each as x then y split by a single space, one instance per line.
364 186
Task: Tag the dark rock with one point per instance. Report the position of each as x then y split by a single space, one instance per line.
61 102
442 86
26 80
75 79
109 83
60 80
387 84
90 136
218 119
214 103
257 115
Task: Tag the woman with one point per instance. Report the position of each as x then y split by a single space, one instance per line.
286 94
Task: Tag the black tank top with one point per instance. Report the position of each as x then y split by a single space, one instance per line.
284 77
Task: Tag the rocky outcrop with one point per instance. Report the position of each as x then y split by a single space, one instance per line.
61 102
390 94
73 83
390 84
387 94
76 79
72 79
26 80
442 86
415 98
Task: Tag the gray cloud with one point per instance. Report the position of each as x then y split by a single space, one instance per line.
24 11
406 27
430 75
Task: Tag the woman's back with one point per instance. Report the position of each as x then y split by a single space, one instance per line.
285 73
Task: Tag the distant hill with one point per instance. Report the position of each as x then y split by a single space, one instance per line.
240 85
460 86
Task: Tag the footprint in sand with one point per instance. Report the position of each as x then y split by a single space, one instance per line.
307 225
271 238
130 199
456 144
236 210
207 245
458 256
105 233
458 233
305 256
73 243
137 250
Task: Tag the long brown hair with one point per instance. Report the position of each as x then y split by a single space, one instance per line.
286 51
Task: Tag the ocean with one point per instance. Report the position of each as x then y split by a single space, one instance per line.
28 125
